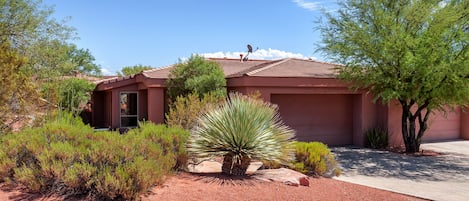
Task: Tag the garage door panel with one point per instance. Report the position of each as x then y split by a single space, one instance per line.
443 126
325 118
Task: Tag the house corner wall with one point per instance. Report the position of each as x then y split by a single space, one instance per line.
465 123
364 117
115 105
98 100
394 124
155 101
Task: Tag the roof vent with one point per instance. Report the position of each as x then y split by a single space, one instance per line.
241 57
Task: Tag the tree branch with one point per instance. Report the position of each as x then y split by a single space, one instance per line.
419 110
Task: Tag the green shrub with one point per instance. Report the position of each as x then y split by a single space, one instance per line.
65 156
185 110
172 140
196 75
314 158
376 138
241 130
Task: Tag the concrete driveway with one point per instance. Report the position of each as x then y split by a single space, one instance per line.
443 177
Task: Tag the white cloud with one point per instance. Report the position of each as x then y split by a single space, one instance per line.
265 54
312 6
106 71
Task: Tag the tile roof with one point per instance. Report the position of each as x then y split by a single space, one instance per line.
161 73
289 67
229 66
297 68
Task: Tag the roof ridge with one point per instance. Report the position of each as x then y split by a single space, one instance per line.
115 79
318 61
268 66
243 72
144 73
235 59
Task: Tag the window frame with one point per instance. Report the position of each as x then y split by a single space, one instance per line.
128 115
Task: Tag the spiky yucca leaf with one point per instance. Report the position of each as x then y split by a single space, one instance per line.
242 127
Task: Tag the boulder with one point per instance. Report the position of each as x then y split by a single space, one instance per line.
215 167
205 167
284 175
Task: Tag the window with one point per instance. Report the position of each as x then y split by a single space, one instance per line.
129 109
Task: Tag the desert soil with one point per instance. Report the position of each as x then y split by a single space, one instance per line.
185 186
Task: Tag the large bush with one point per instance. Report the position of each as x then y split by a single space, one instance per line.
67 157
185 111
196 75
315 158
241 130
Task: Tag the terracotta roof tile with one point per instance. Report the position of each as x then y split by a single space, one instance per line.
161 73
297 68
229 66
289 67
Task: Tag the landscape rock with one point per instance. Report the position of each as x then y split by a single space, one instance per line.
205 167
215 167
284 175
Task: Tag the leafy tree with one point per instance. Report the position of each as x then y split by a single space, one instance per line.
28 27
196 75
241 130
83 61
131 70
16 92
415 52
74 93
29 31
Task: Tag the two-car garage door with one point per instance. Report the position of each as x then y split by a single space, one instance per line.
318 117
329 118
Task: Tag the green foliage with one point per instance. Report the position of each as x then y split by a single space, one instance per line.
29 28
171 139
241 130
16 91
67 157
74 93
315 158
196 75
132 70
82 61
185 111
25 22
415 52
36 51
376 138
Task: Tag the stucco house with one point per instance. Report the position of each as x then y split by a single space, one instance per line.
310 98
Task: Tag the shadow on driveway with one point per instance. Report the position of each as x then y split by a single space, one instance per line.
375 163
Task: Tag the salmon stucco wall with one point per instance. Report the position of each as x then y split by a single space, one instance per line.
364 117
465 123
450 125
99 109
156 105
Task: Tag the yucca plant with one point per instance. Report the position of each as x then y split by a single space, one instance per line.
241 130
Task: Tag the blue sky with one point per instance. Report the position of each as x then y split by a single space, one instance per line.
157 33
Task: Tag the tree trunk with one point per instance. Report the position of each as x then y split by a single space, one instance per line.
235 167
412 140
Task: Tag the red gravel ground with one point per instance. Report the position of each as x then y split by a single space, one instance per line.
212 187
216 187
